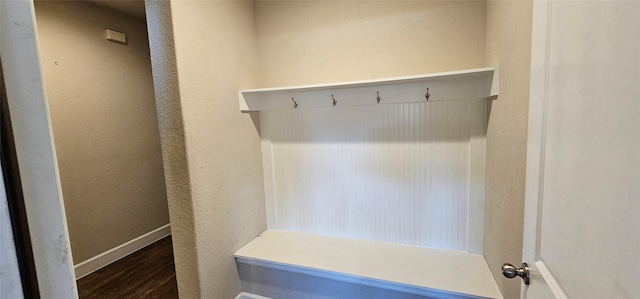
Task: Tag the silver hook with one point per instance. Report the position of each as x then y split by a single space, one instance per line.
427 95
295 104
378 97
334 100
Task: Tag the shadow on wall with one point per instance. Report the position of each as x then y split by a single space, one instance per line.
288 285
433 122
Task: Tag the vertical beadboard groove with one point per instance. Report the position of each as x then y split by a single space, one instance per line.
390 172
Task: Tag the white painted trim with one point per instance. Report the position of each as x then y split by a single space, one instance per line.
552 283
104 259
535 142
455 85
477 161
538 98
35 150
244 295
269 184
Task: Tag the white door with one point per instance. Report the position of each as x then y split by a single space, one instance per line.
582 213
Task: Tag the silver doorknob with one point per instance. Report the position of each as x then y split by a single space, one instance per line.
510 271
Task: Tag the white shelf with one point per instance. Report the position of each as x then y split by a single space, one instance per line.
410 269
455 85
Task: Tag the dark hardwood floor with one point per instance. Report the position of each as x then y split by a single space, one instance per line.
147 273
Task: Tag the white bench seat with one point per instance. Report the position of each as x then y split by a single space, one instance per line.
411 269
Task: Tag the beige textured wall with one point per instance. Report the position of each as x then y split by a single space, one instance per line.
103 116
305 42
174 151
223 208
508 48
212 152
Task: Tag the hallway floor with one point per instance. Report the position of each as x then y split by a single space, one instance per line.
146 273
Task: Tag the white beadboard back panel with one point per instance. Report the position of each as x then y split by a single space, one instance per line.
403 173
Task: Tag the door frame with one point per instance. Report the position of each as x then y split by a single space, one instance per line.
15 228
35 151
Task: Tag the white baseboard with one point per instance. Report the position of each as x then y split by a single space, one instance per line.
244 295
99 261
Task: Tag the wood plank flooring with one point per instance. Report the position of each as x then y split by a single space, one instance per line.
147 273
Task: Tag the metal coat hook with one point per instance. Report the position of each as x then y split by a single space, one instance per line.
295 104
378 97
427 95
334 100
